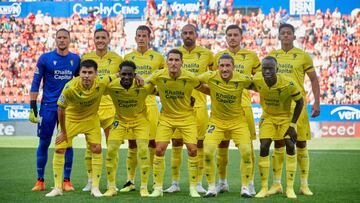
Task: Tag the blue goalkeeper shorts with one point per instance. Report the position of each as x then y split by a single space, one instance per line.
48 121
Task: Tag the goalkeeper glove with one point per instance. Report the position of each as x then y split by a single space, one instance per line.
33 116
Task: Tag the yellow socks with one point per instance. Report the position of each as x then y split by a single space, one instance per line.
58 168
111 161
143 156
245 163
222 161
96 169
278 160
158 171
303 160
193 170
200 156
88 154
151 156
176 158
264 165
209 151
131 162
290 170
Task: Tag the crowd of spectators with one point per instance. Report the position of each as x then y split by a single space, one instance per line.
332 39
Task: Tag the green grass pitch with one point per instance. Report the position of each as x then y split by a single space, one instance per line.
334 175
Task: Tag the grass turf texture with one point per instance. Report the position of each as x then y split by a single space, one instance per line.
334 176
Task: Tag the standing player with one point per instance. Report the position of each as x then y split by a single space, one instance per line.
108 63
276 94
295 63
55 68
147 61
78 113
175 86
246 63
131 122
227 121
198 60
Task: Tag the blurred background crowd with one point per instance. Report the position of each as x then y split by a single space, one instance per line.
331 38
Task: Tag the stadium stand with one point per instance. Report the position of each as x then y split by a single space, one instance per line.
331 38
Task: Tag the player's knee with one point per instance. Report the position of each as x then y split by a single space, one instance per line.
152 144
160 151
132 144
96 148
245 150
200 144
192 151
224 144
301 144
60 151
290 147
177 142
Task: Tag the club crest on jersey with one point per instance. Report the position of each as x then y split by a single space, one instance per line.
116 123
184 82
109 60
71 62
55 62
137 92
133 57
198 55
294 56
243 56
151 57
164 81
279 91
236 85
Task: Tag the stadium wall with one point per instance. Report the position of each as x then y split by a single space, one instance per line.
134 9
334 120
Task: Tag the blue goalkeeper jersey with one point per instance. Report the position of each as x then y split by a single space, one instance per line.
55 71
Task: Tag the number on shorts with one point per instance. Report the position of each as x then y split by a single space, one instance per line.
211 128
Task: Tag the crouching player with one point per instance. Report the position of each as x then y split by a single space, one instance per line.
227 121
77 113
130 122
277 122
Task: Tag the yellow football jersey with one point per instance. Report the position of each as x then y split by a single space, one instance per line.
174 93
129 103
146 64
293 64
225 96
82 104
108 64
197 61
247 63
276 100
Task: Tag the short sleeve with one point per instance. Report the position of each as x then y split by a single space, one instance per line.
295 91
64 97
308 64
204 77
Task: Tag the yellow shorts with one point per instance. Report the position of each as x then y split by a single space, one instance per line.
138 129
106 115
152 115
273 128
90 128
250 120
186 128
303 126
219 130
202 120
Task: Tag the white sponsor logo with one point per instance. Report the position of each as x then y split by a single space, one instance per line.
116 9
183 7
302 7
7 129
14 9
63 74
17 112
338 130
55 62
346 113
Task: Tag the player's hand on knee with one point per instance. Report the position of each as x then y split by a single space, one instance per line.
61 137
291 134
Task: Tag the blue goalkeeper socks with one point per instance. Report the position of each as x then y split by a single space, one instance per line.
68 162
42 156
